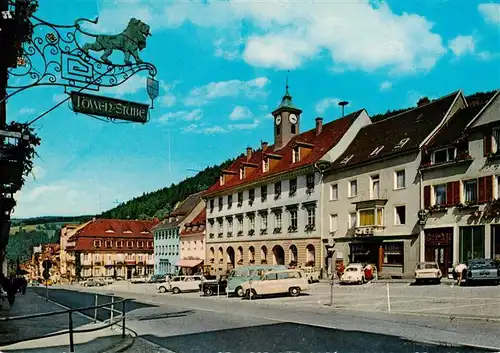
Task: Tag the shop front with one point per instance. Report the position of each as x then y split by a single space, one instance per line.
439 247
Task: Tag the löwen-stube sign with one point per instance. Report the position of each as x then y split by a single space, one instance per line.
109 107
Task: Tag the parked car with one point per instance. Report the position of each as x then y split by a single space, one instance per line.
181 284
92 283
311 273
428 272
211 287
101 281
353 273
292 282
138 280
157 279
482 271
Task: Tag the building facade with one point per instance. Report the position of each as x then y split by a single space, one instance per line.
192 239
166 234
461 187
112 248
265 207
67 261
371 192
34 266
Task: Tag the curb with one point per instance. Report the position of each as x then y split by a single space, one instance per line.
129 341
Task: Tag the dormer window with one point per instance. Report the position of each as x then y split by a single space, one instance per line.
97 243
443 155
265 165
242 173
401 143
128 231
347 159
296 154
376 151
109 231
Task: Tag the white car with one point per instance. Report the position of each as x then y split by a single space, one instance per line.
354 273
427 272
292 282
181 284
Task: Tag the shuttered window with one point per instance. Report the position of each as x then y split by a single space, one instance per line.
487 144
485 188
453 193
427 196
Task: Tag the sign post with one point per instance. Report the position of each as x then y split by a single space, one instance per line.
47 264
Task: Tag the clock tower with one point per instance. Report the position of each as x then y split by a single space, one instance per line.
286 120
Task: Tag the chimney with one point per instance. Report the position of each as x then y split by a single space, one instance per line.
249 153
319 125
423 101
263 146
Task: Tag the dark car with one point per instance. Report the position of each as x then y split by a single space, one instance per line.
482 271
212 287
157 279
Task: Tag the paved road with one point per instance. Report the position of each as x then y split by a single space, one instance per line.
186 324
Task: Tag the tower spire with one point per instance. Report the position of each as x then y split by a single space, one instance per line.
287 93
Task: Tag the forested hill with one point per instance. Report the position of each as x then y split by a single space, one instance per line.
160 202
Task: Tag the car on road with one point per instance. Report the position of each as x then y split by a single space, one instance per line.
482 271
92 283
242 274
157 279
138 279
353 274
292 282
428 272
212 287
311 273
180 284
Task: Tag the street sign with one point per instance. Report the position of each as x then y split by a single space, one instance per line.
109 107
47 264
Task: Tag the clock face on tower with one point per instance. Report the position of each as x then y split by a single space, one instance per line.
293 118
278 120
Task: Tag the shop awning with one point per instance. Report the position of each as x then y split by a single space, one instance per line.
188 263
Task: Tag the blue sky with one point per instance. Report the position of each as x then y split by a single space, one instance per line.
222 68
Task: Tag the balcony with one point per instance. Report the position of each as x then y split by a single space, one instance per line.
130 262
367 199
86 262
368 230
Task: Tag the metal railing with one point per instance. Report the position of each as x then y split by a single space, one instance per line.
71 330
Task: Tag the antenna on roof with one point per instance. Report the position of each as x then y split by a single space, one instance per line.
343 104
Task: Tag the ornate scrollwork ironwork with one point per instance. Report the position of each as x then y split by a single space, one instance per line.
55 57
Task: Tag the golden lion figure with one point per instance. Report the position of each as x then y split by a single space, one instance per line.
130 41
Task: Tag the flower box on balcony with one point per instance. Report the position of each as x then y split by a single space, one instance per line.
240 233
211 235
309 190
263 199
250 202
292 229
277 196
263 262
263 231
140 263
97 263
251 232
276 230
292 193
468 205
220 235
229 234
240 203
309 227
437 209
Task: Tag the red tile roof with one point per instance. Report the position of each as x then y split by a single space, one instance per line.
412 125
120 229
87 244
330 135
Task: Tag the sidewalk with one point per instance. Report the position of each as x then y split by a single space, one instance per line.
97 341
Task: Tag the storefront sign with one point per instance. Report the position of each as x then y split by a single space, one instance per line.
109 107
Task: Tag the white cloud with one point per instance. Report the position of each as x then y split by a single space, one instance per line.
490 12
133 85
201 129
232 88
248 126
186 115
461 45
360 35
386 85
240 113
325 104
38 172
24 111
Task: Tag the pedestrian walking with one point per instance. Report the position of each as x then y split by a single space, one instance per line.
24 285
